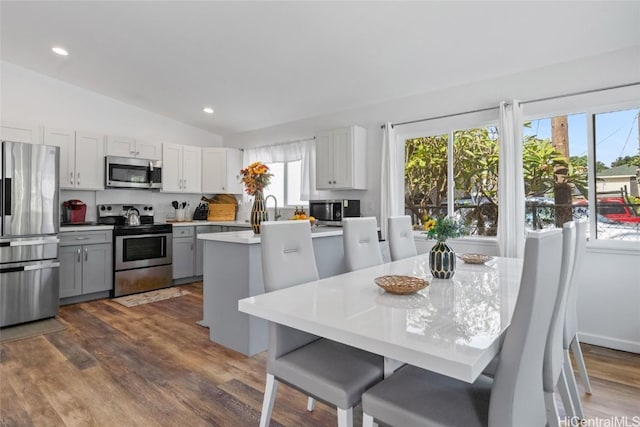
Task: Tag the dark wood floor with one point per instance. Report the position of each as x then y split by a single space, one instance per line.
152 365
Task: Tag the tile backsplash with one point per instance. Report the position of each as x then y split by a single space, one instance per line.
161 202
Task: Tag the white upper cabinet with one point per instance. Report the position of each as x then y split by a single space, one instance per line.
148 150
181 168
18 132
341 159
221 170
81 158
89 161
129 147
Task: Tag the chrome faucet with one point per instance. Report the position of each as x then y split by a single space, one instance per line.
276 215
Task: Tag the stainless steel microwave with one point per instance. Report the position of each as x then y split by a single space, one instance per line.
126 172
331 212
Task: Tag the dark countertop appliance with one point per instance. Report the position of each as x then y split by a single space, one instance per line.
331 212
142 254
74 211
29 226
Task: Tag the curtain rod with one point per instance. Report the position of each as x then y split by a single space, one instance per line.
530 101
285 142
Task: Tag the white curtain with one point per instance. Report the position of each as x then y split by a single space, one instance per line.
392 179
288 152
511 209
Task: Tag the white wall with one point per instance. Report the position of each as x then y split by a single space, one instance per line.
609 312
33 98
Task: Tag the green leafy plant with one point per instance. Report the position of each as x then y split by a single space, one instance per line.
443 228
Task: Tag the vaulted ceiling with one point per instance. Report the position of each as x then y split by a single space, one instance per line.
259 64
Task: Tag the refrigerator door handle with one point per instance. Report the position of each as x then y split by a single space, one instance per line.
7 196
41 266
30 242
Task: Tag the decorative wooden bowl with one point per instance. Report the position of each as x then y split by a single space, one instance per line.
475 258
401 285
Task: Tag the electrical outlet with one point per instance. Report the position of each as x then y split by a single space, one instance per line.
369 206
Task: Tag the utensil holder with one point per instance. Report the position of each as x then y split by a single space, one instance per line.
180 214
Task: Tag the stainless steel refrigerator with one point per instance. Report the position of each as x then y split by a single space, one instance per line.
30 222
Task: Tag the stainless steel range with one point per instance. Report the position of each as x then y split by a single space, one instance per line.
142 254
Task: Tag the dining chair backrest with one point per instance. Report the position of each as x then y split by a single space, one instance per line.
400 235
287 260
571 320
554 351
361 246
514 395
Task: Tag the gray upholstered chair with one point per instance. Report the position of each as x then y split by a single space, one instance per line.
361 246
553 374
416 397
400 236
570 340
323 369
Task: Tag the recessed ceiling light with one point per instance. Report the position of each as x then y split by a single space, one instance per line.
208 110
60 51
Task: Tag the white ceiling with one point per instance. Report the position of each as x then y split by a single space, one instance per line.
260 64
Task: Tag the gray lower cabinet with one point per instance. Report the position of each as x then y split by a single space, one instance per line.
231 228
202 229
85 268
183 252
188 251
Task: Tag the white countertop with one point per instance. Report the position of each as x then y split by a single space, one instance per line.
223 223
452 327
97 227
249 238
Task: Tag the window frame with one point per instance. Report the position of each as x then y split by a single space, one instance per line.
589 104
448 126
573 105
285 190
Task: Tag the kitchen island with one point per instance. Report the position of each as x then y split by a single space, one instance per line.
233 271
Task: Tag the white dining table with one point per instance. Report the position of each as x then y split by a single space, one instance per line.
453 327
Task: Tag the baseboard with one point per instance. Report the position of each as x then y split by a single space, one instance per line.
614 343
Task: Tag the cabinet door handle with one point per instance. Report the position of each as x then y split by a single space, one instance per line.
86 254
71 177
79 255
137 153
192 247
78 179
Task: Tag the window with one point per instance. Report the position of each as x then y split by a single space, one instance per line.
554 161
566 156
286 183
458 178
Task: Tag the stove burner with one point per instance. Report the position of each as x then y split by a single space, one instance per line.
116 214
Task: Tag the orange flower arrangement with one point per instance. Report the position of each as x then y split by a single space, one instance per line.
255 177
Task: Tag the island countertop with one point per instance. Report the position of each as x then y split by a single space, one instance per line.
249 238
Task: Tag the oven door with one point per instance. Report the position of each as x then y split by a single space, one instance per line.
143 250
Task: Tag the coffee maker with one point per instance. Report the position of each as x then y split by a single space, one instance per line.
75 211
